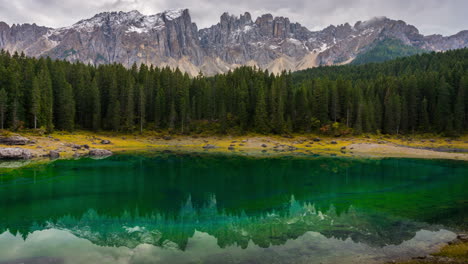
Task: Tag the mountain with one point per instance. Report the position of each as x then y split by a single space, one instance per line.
171 39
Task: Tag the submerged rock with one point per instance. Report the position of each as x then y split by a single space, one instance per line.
14 153
13 164
100 153
14 140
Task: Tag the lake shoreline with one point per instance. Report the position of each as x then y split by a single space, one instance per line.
68 145
455 252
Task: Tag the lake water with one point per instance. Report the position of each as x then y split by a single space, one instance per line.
199 208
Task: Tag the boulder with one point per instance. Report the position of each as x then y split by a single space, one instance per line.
105 142
333 142
463 237
54 154
14 140
209 146
316 139
264 146
100 153
14 153
167 137
73 146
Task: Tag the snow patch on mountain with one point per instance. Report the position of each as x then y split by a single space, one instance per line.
172 14
294 41
146 24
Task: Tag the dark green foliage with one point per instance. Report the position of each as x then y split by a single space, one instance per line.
3 107
35 99
260 120
387 49
422 93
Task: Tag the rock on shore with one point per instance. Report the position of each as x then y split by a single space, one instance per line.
100 153
14 140
14 153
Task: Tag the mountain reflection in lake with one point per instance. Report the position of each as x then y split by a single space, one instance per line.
219 209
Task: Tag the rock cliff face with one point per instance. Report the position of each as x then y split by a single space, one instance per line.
172 39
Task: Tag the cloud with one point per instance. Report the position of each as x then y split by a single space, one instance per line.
430 16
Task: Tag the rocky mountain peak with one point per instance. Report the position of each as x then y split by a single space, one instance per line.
173 14
171 39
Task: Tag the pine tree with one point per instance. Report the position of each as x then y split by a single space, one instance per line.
424 124
172 117
35 100
260 110
358 121
113 106
129 106
141 106
3 107
460 111
397 112
95 99
14 92
28 76
334 102
64 104
46 94
443 106
412 103
392 117
159 105
242 105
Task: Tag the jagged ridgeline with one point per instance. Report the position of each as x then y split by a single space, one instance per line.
422 93
172 39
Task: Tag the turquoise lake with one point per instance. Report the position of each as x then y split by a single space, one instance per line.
201 208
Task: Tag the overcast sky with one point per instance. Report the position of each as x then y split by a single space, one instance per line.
429 16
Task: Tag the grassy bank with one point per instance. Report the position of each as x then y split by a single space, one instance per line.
419 146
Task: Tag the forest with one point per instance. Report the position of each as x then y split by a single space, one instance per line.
425 93
385 50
